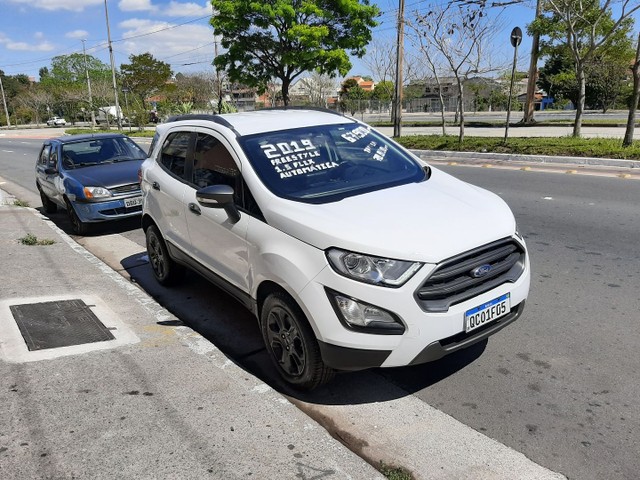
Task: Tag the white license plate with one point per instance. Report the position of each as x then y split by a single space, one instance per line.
487 312
132 202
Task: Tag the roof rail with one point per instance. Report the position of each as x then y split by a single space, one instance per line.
203 116
315 109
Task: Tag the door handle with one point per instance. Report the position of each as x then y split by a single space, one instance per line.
194 209
155 186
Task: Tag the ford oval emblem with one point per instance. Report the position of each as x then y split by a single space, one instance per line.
481 271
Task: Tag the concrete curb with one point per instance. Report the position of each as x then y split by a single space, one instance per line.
509 158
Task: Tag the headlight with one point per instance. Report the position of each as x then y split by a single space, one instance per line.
96 192
376 270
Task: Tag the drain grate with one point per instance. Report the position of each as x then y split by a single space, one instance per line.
57 324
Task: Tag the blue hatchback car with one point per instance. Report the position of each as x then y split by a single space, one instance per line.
94 177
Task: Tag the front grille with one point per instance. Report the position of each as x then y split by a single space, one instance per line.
130 188
453 281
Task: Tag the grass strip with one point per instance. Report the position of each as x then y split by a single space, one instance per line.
556 146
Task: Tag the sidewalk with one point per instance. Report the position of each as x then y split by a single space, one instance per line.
156 401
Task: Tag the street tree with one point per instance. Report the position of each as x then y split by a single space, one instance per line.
195 88
588 29
282 39
352 96
318 87
635 98
37 100
145 75
71 69
457 36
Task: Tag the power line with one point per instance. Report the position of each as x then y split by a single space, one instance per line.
103 45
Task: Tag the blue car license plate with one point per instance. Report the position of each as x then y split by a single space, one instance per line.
487 312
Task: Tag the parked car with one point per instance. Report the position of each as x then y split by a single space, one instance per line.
56 122
94 177
350 252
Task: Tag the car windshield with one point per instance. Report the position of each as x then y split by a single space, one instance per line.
97 151
327 163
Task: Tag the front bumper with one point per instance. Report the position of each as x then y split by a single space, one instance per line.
428 335
112 209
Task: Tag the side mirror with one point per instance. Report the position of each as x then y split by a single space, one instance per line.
219 196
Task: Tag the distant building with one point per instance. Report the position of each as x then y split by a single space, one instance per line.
366 85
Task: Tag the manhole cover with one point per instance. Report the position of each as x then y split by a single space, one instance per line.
58 324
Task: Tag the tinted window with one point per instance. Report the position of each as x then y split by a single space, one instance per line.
330 162
100 150
173 155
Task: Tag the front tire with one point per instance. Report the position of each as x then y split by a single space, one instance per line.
291 343
78 226
165 269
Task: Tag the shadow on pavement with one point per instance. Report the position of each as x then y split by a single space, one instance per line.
234 330
61 219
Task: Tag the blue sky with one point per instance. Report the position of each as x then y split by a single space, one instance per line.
32 32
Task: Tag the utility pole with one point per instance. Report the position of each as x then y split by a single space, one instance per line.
113 68
530 103
86 70
4 101
218 79
397 106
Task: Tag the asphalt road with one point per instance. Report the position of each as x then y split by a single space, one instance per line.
561 385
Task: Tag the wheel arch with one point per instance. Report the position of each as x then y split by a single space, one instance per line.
147 221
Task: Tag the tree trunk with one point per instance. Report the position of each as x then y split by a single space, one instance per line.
577 126
461 109
442 111
631 120
533 73
286 82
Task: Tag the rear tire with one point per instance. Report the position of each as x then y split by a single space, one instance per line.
47 205
291 343
165 269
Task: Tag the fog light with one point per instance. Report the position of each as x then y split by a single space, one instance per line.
363 316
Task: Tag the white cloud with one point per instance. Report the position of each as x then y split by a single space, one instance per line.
190 9
53 5
29 47
136 6
175 46
9 44
77 34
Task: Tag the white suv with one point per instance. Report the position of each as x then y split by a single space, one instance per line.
350 252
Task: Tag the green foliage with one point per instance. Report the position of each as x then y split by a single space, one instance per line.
352 96
394 473
563 146
31 240
145 75
72 69
384 91
285 38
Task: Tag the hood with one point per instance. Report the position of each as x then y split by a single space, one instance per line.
107 175
428 221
